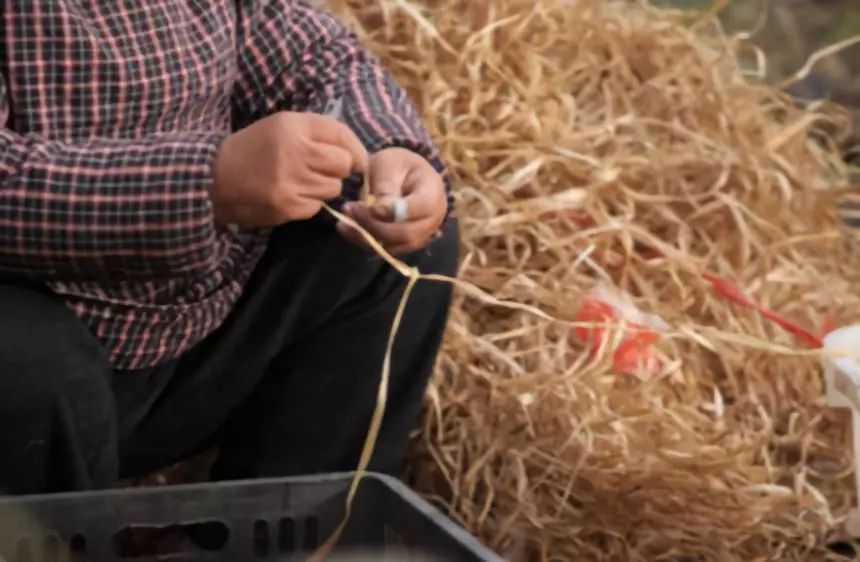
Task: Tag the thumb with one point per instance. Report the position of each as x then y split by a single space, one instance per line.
388 172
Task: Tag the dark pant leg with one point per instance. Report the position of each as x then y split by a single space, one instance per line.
288 383
57 421
312 411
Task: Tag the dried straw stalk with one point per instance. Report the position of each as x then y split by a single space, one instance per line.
642 122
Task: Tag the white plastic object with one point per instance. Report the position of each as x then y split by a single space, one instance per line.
626 310
842 386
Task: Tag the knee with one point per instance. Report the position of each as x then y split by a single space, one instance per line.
43 349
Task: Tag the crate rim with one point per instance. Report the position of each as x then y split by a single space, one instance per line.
456 532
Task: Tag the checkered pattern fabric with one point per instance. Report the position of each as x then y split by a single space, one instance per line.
112 112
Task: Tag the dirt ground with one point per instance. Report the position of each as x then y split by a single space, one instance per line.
790 31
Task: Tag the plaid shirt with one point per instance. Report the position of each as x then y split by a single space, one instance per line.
112 112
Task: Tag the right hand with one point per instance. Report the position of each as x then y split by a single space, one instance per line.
283 168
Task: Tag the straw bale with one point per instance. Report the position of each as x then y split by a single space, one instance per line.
598 141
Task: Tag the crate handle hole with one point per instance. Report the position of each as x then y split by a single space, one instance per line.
23 551
143 541
261 538
287 534
51 552
78 544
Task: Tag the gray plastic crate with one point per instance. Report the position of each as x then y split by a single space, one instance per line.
283 519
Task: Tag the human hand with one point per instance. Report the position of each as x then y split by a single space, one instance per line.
396 173
283 168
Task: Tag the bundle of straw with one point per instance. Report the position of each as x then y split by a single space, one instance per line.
598 141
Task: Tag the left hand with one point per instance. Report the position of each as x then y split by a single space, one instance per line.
398 172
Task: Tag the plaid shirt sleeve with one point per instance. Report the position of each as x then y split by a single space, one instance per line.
297 58
104 208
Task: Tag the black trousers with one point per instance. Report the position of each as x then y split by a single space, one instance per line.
286 386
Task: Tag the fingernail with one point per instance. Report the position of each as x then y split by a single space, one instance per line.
349 208
383 211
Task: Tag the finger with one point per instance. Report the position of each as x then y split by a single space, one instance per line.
406 249
410 247
425 197
389 234
392 235
328 131
321 188
388 171
305 209
351 235
330 160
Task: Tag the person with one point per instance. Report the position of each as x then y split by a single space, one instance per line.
169 280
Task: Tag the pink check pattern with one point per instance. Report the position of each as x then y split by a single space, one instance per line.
112 112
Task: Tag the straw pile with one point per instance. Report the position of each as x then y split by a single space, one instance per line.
611 142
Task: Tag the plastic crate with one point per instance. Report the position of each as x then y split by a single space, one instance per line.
283 519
